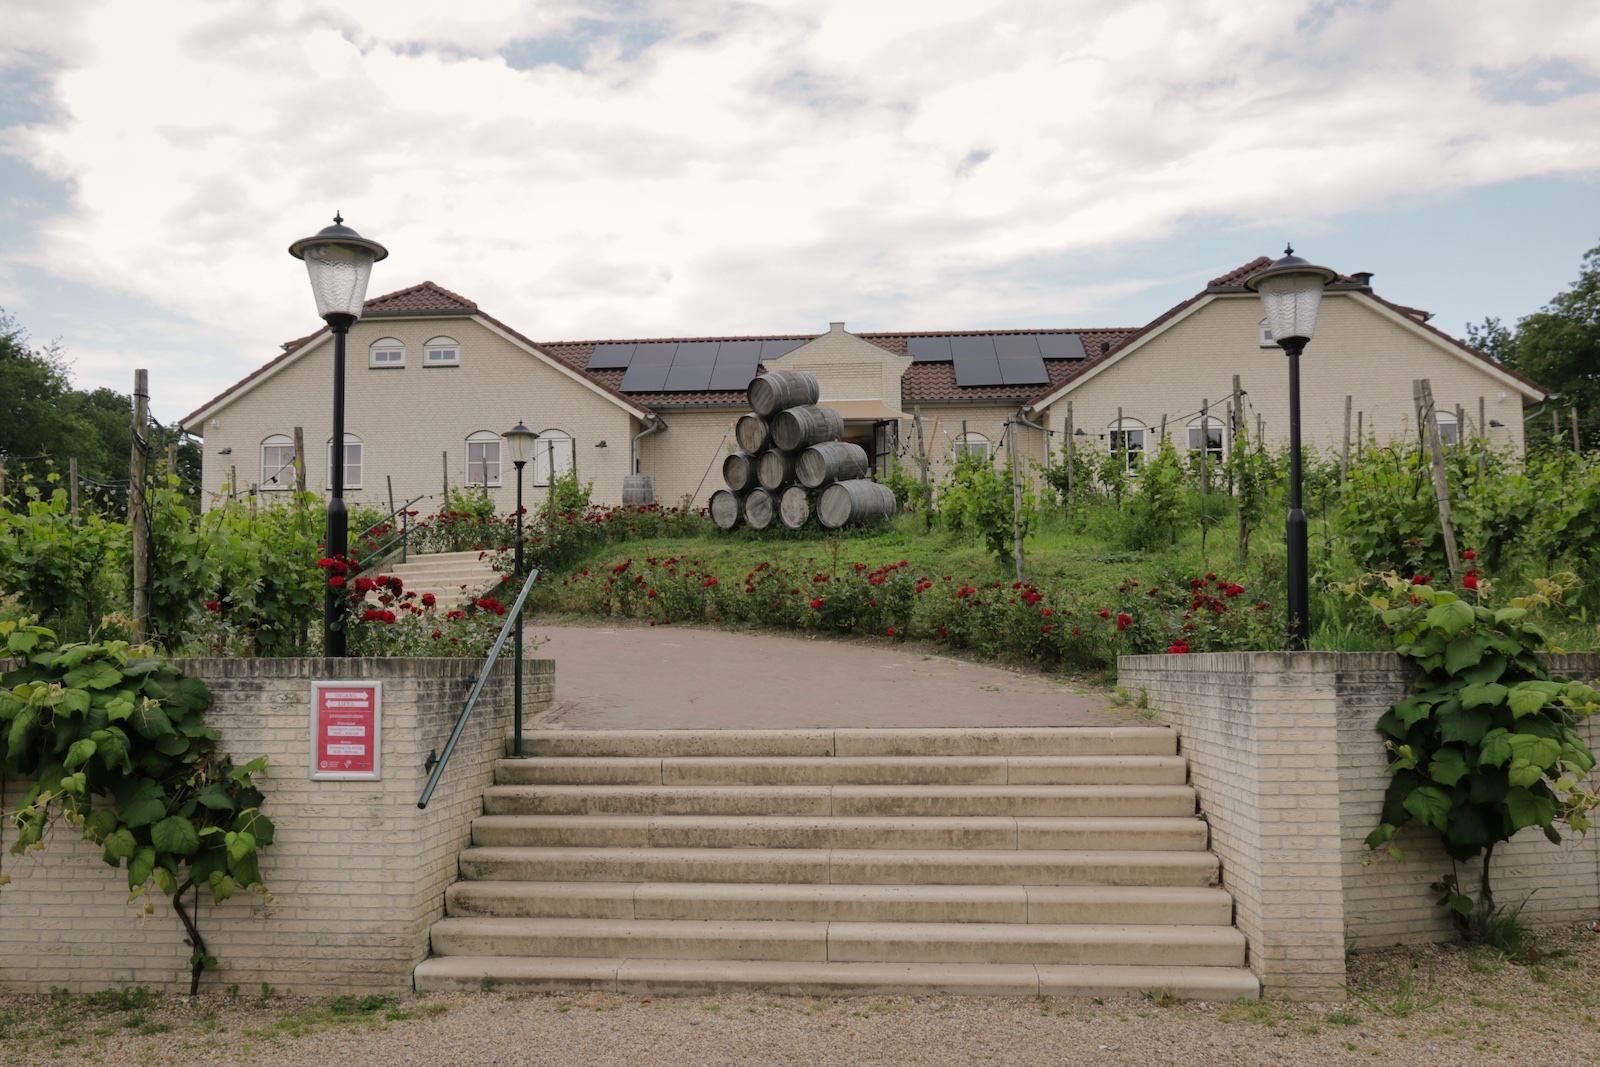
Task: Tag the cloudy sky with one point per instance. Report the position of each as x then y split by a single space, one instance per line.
616 168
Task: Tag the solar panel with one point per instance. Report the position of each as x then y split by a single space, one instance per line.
736 364
775 349
651 363
975 360
691 367
1020 362
611 357
1061 346
928 349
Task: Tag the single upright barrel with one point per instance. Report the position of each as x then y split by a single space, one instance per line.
752 433
772 392
830 461
794 507
843 503
797 428
774 469
725 510
760 508
739 471
637 491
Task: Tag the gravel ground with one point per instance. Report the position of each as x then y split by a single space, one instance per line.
1434 1005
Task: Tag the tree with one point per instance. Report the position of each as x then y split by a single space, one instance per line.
1558 347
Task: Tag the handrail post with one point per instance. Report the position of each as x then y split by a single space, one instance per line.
516 714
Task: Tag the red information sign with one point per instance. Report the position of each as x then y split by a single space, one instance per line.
346 720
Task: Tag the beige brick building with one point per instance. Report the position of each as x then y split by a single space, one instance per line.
433 381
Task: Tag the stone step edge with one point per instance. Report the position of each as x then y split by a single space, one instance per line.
842 741
709 977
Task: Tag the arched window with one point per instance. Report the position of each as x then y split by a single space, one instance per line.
277 462
386 352
1212 436
483 458
1127 439
552 451
352 461
441 352
972 444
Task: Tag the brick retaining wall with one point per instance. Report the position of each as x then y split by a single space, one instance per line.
357 871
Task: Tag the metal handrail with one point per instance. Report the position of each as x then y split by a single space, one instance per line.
405 529
514 619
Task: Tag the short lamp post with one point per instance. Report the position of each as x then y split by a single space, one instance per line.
519 442
1291 291
339 261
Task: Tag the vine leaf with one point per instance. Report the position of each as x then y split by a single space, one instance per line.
96 675
1430 804
1448 766
1495 748
1527 809
141 801
1465 651
1530 757
1529 698
150 720
1463 725
1477 696
1452 617
119 846
177 835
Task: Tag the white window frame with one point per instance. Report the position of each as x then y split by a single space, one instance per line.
550 444
1449 429
972 443
484 471
277 463
1267 340
1218 431
1133 454
350 441
386 347
441 352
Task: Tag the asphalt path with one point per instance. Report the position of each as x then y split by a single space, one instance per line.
634 676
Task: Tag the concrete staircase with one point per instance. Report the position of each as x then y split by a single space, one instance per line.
451 576
1065 862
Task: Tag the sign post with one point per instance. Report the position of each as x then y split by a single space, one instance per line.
346 731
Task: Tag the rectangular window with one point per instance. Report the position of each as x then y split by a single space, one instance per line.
443 357
352 465
277 466
549 450
1131 444
1213 433
388 357
483 462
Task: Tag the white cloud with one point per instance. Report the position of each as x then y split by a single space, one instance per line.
759 165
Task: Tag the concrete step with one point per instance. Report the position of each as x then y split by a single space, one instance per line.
642 977
1129 905
828 832
843 942
841 866
1073 741
883 800
844 770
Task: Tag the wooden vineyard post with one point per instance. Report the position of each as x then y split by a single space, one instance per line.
1072 464
444 463
299 460
1483 442
72 488
138 507
1344 458
1205 455
1422 392
922 462
1577 447
1016 495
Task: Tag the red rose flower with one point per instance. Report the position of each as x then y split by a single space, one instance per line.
429 600
1470 581
1469 554
1123 620
891 631
1104 614
212 605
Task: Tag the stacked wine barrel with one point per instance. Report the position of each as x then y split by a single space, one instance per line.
793 463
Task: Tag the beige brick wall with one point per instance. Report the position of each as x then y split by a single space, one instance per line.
687 457
849 368
1290 775
357 871
412 421
1359 350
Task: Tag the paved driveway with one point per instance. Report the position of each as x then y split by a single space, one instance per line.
672 677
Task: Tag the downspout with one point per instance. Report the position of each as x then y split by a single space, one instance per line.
1023 418
656 426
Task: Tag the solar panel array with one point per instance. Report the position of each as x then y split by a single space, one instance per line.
687 366
997 359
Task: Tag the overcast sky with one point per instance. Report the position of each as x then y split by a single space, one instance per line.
699 167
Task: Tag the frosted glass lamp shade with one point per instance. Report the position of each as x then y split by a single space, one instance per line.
519 442
339 262
1291 292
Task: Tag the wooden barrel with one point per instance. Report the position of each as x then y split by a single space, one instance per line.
831 461
794 507
796 428
752 433
760 508
637 491
779 389
774 469
739 471
725 510
858 500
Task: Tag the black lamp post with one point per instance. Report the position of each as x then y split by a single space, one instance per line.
1291 291
339 261
519 441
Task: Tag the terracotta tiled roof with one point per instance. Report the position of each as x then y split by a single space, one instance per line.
426 297
1239 274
